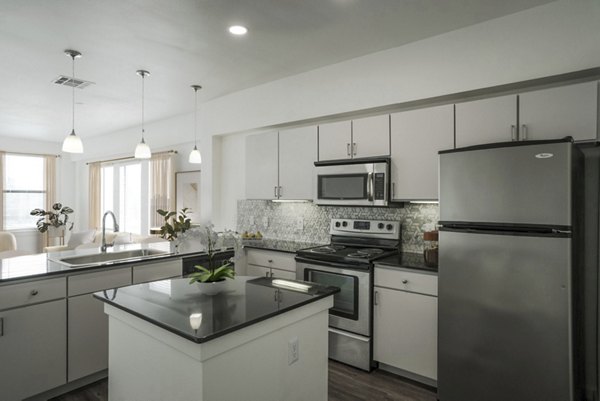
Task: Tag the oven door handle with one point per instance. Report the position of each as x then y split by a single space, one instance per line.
370 187
327 263
347 334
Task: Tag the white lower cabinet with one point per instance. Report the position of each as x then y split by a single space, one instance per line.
33 345
269 263
405 324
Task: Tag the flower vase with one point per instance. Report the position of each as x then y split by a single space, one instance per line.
212 288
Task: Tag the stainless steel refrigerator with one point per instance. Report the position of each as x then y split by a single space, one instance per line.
510 256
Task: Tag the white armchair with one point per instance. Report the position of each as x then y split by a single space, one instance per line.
8 242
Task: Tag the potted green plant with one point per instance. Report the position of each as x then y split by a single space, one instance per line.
174 226
211 278
56 218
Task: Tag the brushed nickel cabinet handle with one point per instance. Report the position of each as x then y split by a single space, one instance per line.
279 192
34 293
267 274
376 300
275 191
354 147
523 133
393 190
513 133
405 281
348 149
270 260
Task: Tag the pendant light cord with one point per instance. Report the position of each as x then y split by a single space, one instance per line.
195 117
143 75
73 88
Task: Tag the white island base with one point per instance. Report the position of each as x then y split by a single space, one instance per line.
148 363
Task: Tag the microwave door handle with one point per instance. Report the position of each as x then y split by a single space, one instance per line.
370 188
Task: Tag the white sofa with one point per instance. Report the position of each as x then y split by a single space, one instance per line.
93 239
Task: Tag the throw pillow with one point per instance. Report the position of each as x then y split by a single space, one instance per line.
81 237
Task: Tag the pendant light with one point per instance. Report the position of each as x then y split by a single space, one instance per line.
142 150
72 143
195 156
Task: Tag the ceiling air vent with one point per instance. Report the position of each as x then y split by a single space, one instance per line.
68 81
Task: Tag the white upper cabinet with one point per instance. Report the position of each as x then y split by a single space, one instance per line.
486 121
558 112
261 166
364 137
371 136
280 165
297 154
335 140
416 138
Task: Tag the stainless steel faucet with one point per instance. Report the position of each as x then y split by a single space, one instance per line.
115 228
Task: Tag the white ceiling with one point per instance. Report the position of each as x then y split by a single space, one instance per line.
184 42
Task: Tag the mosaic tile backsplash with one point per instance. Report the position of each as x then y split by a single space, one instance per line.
307 222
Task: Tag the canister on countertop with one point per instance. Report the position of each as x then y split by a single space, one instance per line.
430 253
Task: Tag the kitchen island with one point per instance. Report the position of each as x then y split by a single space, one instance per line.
258 339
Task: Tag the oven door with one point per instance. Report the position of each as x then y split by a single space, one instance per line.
352 305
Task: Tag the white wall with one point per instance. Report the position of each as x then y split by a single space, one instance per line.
556 38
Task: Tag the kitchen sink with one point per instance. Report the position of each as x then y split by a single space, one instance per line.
109 257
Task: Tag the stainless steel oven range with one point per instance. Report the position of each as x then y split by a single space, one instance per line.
347 263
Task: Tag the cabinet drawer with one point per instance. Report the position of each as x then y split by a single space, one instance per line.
406 281
92 282
32 292
278 260
157 271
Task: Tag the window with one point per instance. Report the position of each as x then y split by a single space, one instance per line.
121 191
23 189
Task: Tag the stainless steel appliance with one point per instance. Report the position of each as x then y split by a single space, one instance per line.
347 263
360 182
508 272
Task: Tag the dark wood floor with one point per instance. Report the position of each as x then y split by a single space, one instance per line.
345 384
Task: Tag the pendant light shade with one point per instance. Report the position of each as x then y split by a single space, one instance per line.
195 156
72 143
142 150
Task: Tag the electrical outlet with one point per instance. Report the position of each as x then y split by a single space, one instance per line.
299 224
265 222
293 350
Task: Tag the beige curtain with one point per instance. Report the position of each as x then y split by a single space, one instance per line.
95 193
162 186
1 190
50 188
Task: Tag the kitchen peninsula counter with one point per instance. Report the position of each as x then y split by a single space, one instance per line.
257 339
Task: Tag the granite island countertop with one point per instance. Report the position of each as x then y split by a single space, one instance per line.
41 265
271 244
244 301
407 260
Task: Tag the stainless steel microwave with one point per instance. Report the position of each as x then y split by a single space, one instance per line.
358 182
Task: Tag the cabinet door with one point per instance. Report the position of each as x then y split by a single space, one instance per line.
88 336
261 166
33 349
335 140
253 270
405 331
417 136
297 154
371 136
558 112
486 121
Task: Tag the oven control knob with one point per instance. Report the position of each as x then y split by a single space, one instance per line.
380 226
344 223
389 227
337 224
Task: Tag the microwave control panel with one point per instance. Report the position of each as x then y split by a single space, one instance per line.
379 186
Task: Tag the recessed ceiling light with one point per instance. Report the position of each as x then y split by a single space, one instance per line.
238 30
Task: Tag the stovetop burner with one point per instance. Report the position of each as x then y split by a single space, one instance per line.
328 249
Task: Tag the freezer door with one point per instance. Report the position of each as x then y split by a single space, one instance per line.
504 318
525 184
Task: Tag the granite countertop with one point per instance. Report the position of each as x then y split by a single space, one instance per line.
243 301
44 264
406 260
279 245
